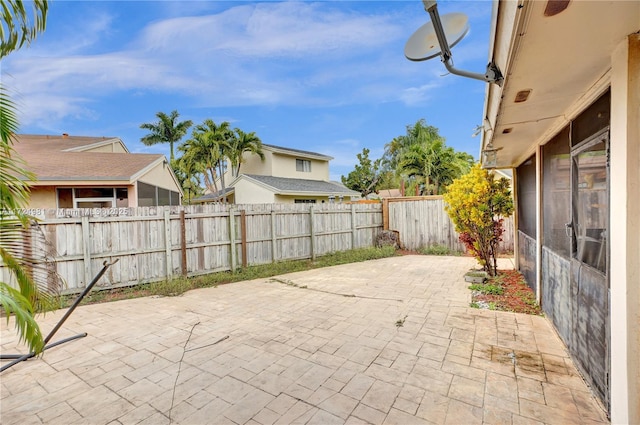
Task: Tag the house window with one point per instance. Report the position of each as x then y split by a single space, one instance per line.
591 203
91 197
304 201
595 118
303 165
153 196
65 198
122 197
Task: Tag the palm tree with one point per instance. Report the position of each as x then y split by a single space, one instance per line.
220 137
435 164
243 142
166 130
188 174
17 30
199 156
207 150
405 150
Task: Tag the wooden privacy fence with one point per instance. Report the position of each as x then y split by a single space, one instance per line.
158 243
422 221
154 244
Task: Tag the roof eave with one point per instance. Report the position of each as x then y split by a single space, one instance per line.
104 142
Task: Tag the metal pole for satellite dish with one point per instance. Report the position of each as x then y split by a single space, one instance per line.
492 75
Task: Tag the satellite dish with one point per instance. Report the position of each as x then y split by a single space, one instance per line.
432 39
423 44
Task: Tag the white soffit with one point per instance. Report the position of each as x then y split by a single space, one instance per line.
562 59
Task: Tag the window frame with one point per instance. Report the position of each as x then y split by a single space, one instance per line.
303 165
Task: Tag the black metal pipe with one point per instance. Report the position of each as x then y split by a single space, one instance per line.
79 300
22 357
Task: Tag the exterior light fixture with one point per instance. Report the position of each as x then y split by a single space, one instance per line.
490 156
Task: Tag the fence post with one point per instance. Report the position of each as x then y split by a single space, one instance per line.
274 241
167 244
183 242
86 248
354 230
313 233
243 237
232 239
385 214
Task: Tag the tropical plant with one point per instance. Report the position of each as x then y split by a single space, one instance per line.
206 151
240 143
14 196
417 134
16 27
188 175
366 176
165 130
434 164
17 30
422 160
477 204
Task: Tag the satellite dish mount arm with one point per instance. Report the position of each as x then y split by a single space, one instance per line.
492 74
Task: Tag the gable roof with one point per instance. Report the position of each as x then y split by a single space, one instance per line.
284 185
212 197
296 152
57 143
63 158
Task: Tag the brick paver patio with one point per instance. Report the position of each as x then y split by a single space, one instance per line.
389 341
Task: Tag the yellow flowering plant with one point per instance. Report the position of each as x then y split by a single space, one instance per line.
477 203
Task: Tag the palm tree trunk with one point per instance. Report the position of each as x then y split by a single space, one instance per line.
222 183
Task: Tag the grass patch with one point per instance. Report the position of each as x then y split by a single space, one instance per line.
179 286
438 250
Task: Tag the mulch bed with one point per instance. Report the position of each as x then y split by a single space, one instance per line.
517 296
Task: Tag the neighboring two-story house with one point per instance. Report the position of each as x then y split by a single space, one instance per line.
284 176
94 172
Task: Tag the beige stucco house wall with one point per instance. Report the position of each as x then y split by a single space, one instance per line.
247 192
563 58
281 162
158 174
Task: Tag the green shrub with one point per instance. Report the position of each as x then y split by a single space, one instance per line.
477 203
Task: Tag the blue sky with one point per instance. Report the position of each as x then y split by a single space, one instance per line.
329 77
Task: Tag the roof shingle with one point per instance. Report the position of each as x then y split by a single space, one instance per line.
301 185
46 157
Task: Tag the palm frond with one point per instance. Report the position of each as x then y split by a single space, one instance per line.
13 302
20 27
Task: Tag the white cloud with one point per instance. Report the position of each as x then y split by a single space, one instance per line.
30 110
231 58
294 53
268 30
